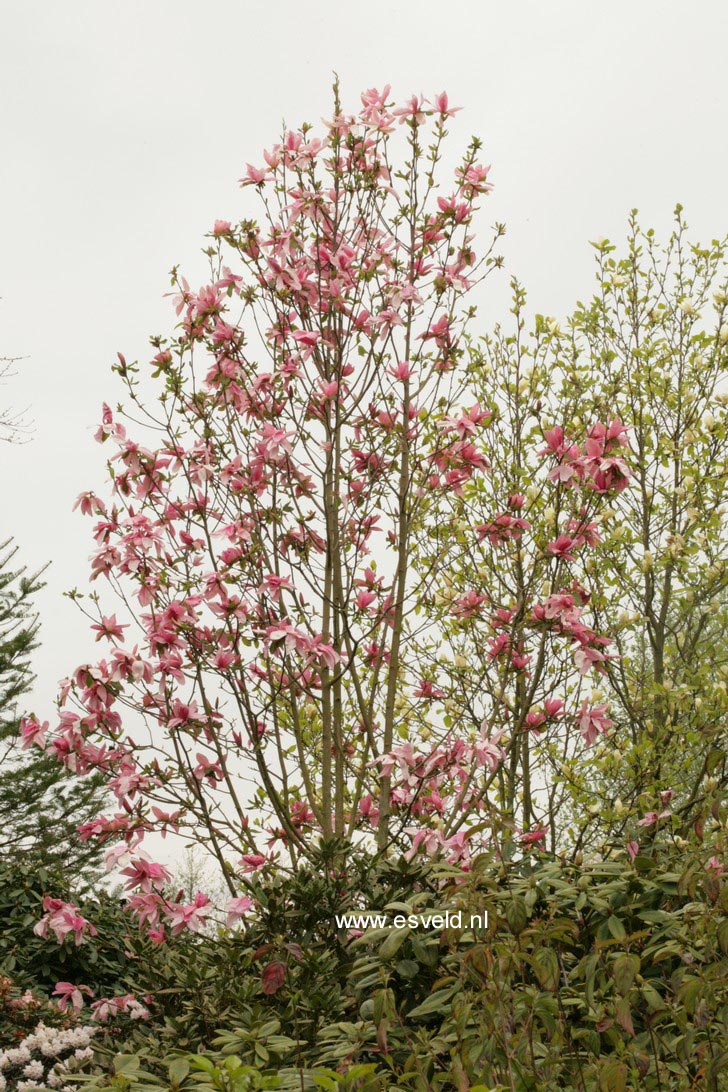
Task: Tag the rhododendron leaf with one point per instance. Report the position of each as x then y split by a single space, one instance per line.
273 976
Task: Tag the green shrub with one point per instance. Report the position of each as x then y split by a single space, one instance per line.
607 977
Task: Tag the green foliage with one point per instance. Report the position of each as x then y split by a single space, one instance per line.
651 347
610 976
40 805
203 984
104 962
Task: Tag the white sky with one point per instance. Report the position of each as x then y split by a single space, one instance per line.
125 127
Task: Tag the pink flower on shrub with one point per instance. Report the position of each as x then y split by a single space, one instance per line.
193 916
429 840
63 919
107 1007
251 862
236 909
33 732
69 994
145 873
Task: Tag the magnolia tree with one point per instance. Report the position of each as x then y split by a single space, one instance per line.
293 661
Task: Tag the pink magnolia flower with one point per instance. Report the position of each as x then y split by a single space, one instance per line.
368 809
467 423
562 547
439 332
365 599
236 909
535 837
70 994
651 818
192 916
251 862
207 769
586 658
376 98
146 907
167 820
443 107
33 732
553 707
89 504
486 750
402 370
145 873
63 919
413 112
254 176
274 585
427 689
474 179
457 848
428 840
326 653
592 721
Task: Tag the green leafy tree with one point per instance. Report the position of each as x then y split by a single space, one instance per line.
649 350
652 345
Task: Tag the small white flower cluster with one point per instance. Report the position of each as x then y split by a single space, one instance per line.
56 1050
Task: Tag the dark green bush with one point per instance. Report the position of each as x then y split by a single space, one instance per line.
607 977
102 962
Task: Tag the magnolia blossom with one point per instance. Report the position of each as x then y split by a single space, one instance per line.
70 994
236 909
533 838
191 916
63 919
651 818
593 721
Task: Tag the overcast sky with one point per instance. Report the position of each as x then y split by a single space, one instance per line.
125 127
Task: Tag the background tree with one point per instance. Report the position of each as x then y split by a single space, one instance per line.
13 425
40 805
650 349
653 343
